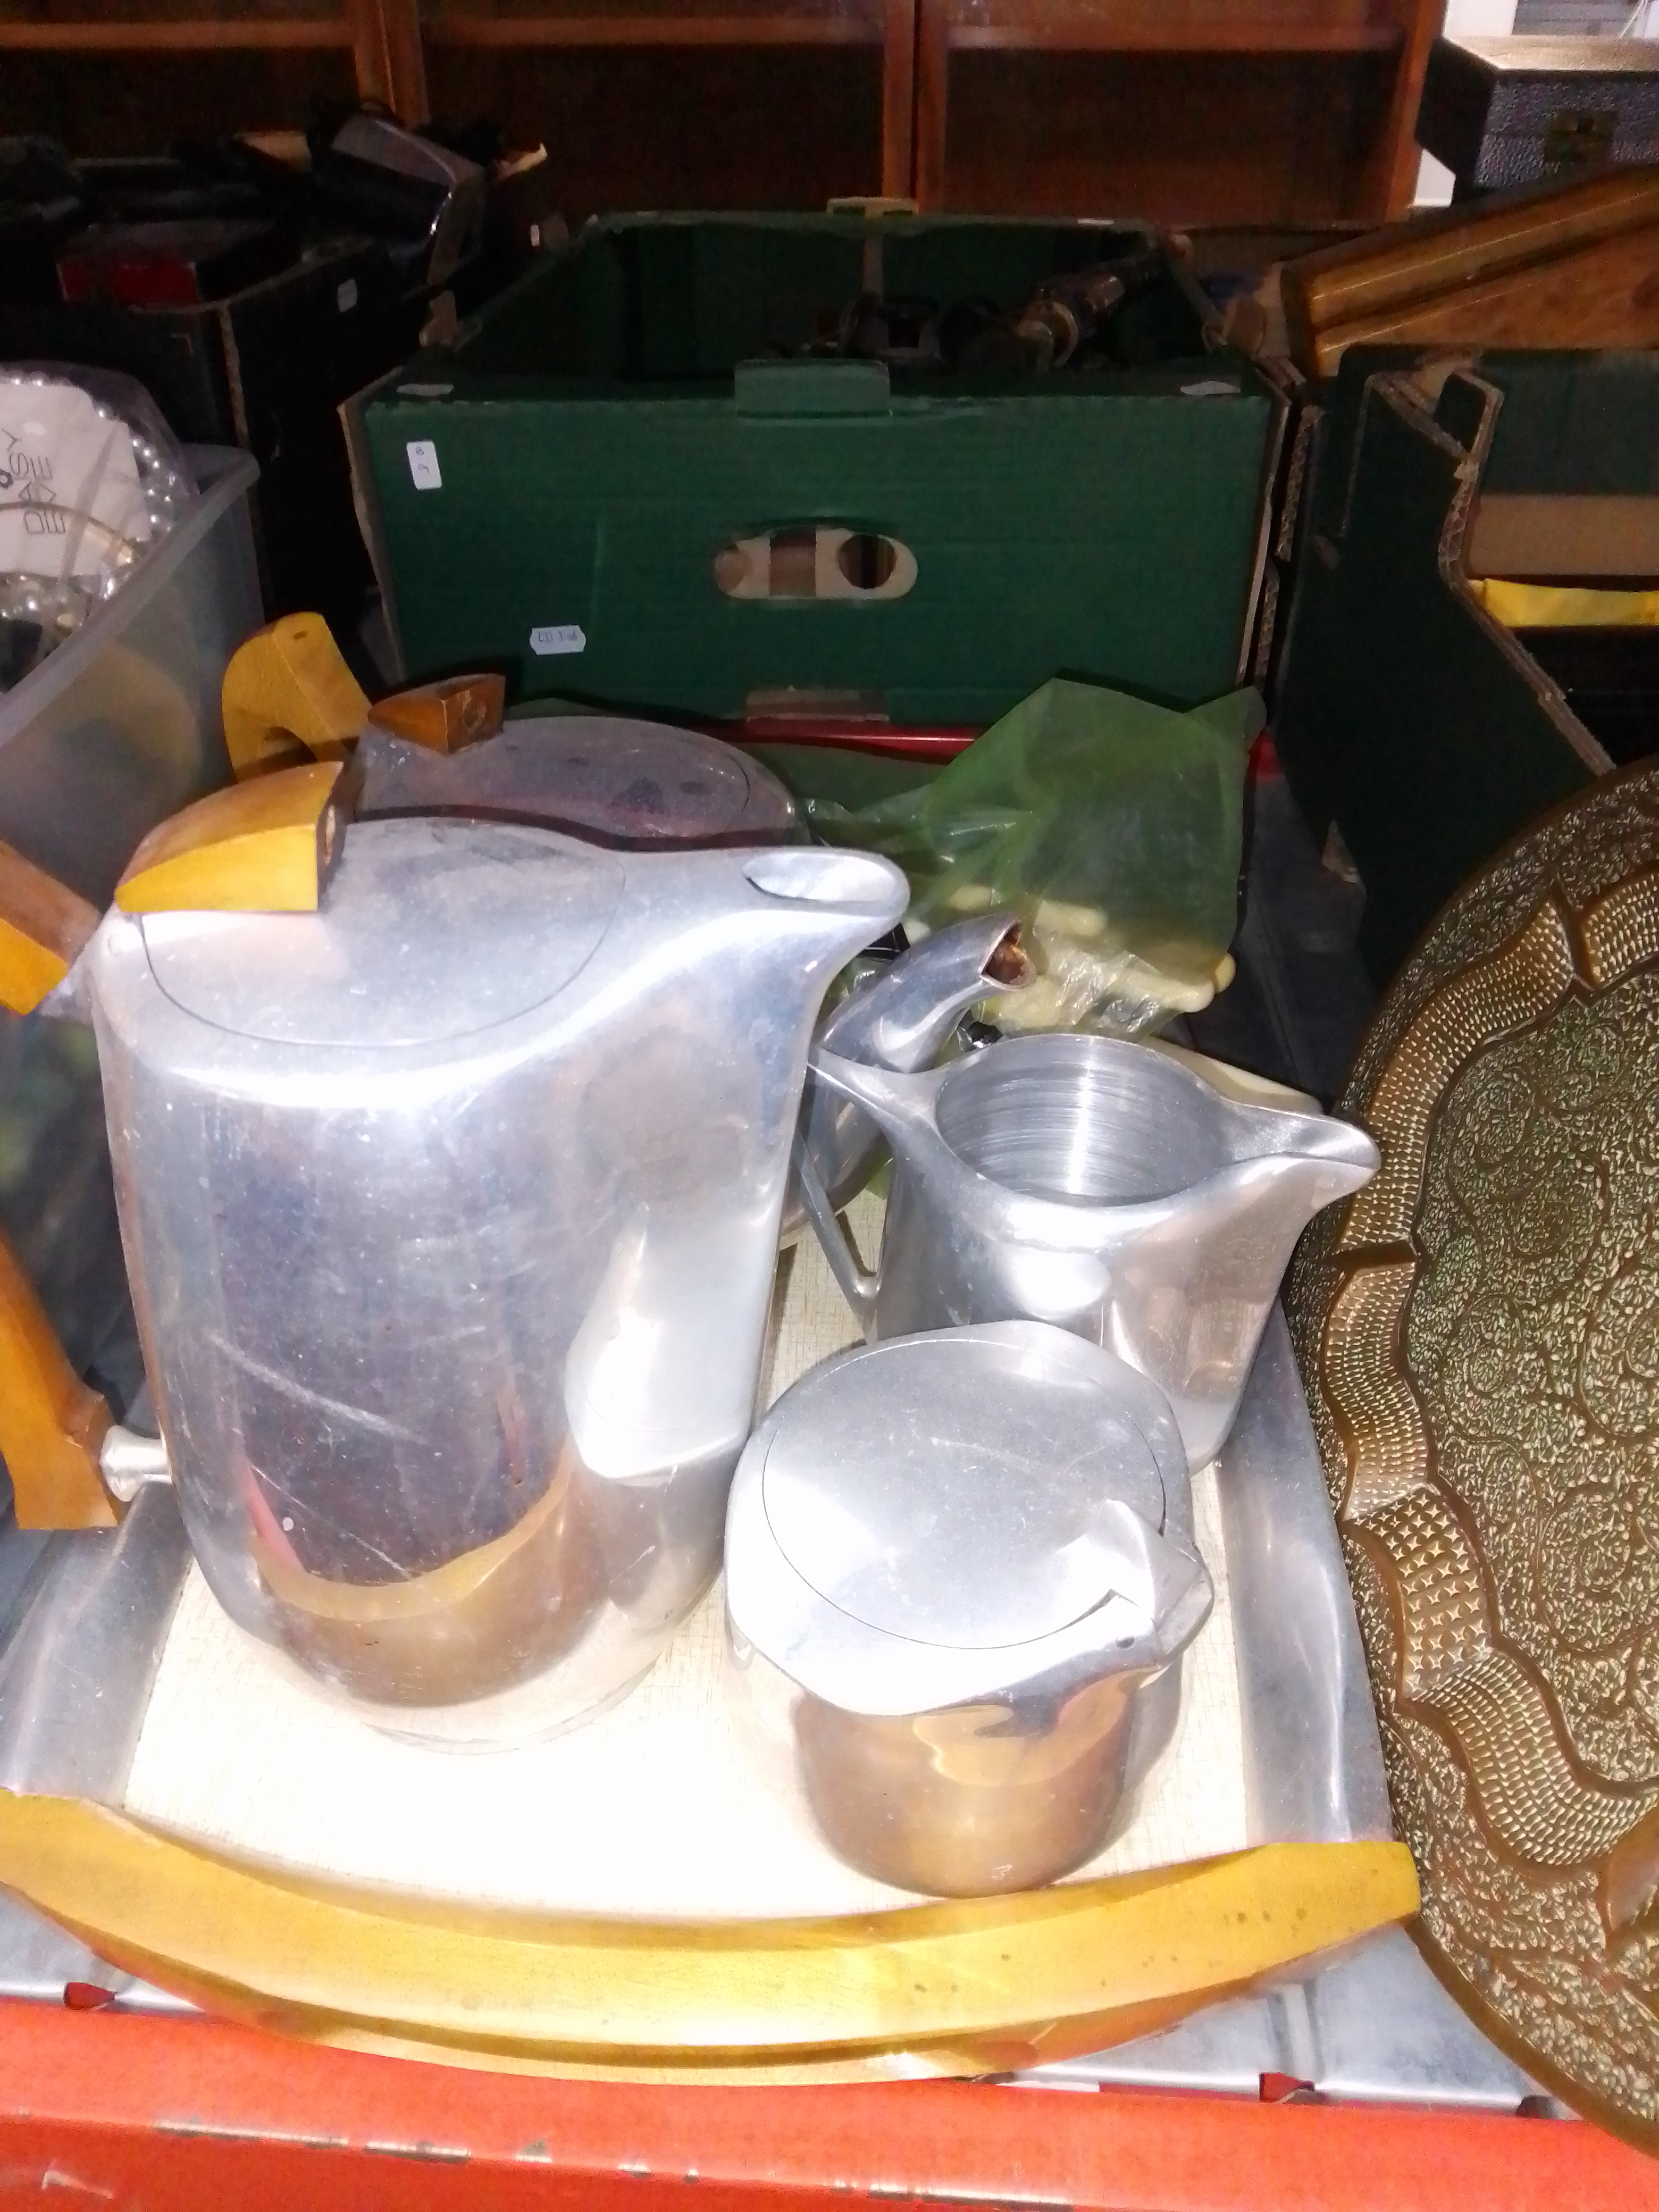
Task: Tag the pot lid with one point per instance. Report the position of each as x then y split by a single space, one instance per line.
635 783
429 930
956 1490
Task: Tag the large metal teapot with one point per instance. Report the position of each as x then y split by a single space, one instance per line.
451 1210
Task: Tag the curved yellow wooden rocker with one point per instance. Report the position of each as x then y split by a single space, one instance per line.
981 1985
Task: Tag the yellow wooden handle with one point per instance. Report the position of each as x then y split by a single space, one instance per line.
51 1424
262 848
288 697
460 710
1000 1980
43 926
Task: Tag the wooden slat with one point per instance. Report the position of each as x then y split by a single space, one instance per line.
1603 296
898 69
1411 283
1083 31
391 60
1400 157
1183 26
195 35
629 30
932 98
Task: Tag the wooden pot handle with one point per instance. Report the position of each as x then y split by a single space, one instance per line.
51 1423
267 847
289 698
43 929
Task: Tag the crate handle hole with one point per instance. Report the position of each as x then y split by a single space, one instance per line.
815 561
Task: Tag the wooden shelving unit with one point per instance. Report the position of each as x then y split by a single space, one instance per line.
384 57
1254 112
1188 67
887 27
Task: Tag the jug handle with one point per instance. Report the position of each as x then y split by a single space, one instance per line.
859 1288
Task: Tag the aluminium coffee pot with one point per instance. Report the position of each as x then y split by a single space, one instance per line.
1112 1188
451 1210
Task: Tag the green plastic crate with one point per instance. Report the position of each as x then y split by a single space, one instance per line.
551 494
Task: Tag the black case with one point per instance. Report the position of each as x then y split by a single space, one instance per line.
1505 112
265 369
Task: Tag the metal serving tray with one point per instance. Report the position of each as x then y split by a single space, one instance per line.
83 1619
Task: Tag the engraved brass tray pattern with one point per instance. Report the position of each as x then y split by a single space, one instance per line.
1478 1331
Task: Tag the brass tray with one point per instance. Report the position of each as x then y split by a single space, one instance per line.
1478 1331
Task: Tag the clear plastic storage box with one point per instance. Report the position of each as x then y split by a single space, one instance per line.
116 729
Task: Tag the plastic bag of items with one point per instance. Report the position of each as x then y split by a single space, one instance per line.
90 478
1113 826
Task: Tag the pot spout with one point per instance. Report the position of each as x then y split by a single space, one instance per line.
902 1020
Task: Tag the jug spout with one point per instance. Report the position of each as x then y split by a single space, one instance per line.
902 1019
1331 1159
1287 1167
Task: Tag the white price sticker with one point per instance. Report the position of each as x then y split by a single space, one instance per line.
558 637
424 464
345 298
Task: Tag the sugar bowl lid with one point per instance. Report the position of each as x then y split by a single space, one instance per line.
605 777
948 1515
392 957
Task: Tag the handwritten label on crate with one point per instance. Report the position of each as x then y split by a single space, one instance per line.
558 637
424 464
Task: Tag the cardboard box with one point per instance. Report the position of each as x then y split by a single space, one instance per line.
1407 716
624 484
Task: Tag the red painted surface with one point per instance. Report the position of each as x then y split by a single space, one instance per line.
934 745
940 745
106 2109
